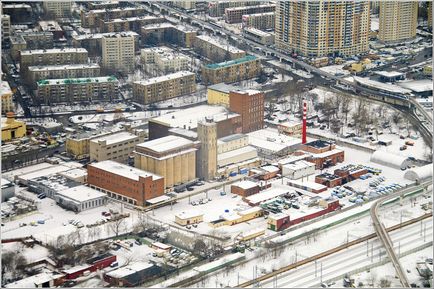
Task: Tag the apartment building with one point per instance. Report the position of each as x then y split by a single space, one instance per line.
125 183
58 9
323 28
6 93
54 56
231 71
217 8
186 5
263 21
259 36
250 105
235 14
168 33
171 157
52 27
30 40
93 42
90 19
79 89
19 13
118 52
164 87
5 26
116 147
398 21
215 50
127 24
164 59
36 73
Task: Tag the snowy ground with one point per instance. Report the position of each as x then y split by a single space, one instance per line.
77 107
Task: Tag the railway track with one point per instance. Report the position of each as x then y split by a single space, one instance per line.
330 252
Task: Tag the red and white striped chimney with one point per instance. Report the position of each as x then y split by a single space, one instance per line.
303 139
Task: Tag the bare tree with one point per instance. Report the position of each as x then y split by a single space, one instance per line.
117 226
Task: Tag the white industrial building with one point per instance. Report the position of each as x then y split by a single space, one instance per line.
80 198
420 173
389 160
8 190
271 144
297 170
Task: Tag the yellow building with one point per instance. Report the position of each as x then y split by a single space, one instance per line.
219 93
172 157
11 128
79 145
187 218
6 92
398 20
229 219
427 70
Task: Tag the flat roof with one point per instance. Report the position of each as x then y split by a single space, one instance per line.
100 79
81 193
422 85
237 61
123 170
232 137
63 67
327 153
389 73
223 45
189 214
266 195
134 18
258 14
223 87
249 211
292 159
101 35
167 143
299 165
159 199
246 185
32 281
257 31
129 269
115 138
188 118
381 85
308 184
53 50
236 152
271 139
167 77
270 169
249 7
74 173
44 172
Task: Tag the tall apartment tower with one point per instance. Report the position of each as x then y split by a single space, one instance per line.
58 9
118 52
323 28
207 155
398 20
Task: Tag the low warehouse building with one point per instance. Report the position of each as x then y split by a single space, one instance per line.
132 275
187 218
278 222
308 186
80 198
329 180
297 170
389 160
245 188
420 173
8 190
323 153
229 219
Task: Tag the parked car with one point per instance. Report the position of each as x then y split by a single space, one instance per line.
402 148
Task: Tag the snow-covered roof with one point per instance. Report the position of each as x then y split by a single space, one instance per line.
166 77
77 268
299 165
45 172
135 18
380 85
292 159
277 216
82 80
246 185
129 269
218 263
34 281
249 7
422 85
53 50
222 45
257 32
119 137
74 173
266 195
270 169
5 183
223 87
5 88
237 152
327 153
158 25
167 143
188 118
63 67
419 173
258 14
189 214
307 184
250 211
81 194
271 139
101 35
123 170
232 137
389 159
159 199
389 73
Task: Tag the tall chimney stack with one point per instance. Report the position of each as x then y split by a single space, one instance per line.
303 139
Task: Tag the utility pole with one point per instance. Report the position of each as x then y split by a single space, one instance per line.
367 247
372 252
315 268
321 273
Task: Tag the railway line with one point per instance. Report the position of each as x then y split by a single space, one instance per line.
324 254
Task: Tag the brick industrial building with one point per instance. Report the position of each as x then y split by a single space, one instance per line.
324 153
125 183
250 105
231 71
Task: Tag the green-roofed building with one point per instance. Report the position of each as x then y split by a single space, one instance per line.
235 70
77 89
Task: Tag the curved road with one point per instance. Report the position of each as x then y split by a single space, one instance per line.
384 236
